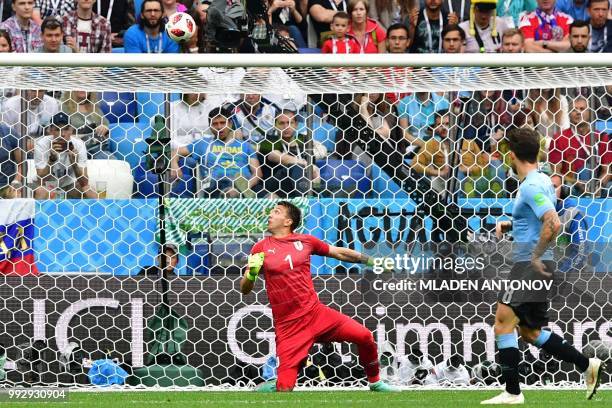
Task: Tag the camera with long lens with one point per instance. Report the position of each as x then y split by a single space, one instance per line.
231 23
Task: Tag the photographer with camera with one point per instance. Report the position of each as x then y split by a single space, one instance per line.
61 162
89 123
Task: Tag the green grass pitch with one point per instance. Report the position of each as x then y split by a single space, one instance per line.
322 399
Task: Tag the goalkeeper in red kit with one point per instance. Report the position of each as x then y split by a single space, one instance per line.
300 319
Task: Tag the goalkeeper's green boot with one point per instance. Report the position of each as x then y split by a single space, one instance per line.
268 386
381 386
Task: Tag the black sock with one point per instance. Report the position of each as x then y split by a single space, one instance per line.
509 360
562 350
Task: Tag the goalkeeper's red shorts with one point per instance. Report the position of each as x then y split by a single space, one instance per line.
294 340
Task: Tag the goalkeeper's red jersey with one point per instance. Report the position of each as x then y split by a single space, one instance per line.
286 269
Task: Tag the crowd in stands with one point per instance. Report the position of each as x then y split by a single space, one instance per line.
328 26
255 145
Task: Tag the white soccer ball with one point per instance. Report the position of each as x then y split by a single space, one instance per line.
180 27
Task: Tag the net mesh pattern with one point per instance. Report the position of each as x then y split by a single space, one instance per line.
99 165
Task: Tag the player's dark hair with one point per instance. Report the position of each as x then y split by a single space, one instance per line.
579 24
294 213
525 144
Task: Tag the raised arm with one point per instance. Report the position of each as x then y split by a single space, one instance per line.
349 255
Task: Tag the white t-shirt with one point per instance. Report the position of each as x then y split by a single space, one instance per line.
62 168
490 44
38 117
189 123
83 35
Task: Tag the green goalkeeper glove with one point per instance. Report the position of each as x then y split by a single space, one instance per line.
255 262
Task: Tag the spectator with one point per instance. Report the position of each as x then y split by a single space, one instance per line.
427 27
254 117
432 160
453 39
398 39
23 30
200 16
188 124
285 12
87 31
580 36
485 31
322 13
416 112
189 118
283 32
172 6
148 36
513 41
582 156
284 153
10 157
390 12
577 9
339 42
5 41
482 174
513 10
551 110
370 36
61 162
546 29
120 15
40 108
91 126
171 254
461 8
601 26
485 116
370 123
53 36
379 114
52 8
228 165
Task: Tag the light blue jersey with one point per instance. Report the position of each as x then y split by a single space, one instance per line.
536 196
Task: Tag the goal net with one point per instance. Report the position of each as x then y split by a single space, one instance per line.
107 163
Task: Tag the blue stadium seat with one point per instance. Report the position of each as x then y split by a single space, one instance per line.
603 126
127 141
309 50
325 133
119 107
149 105
118 50
344 177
